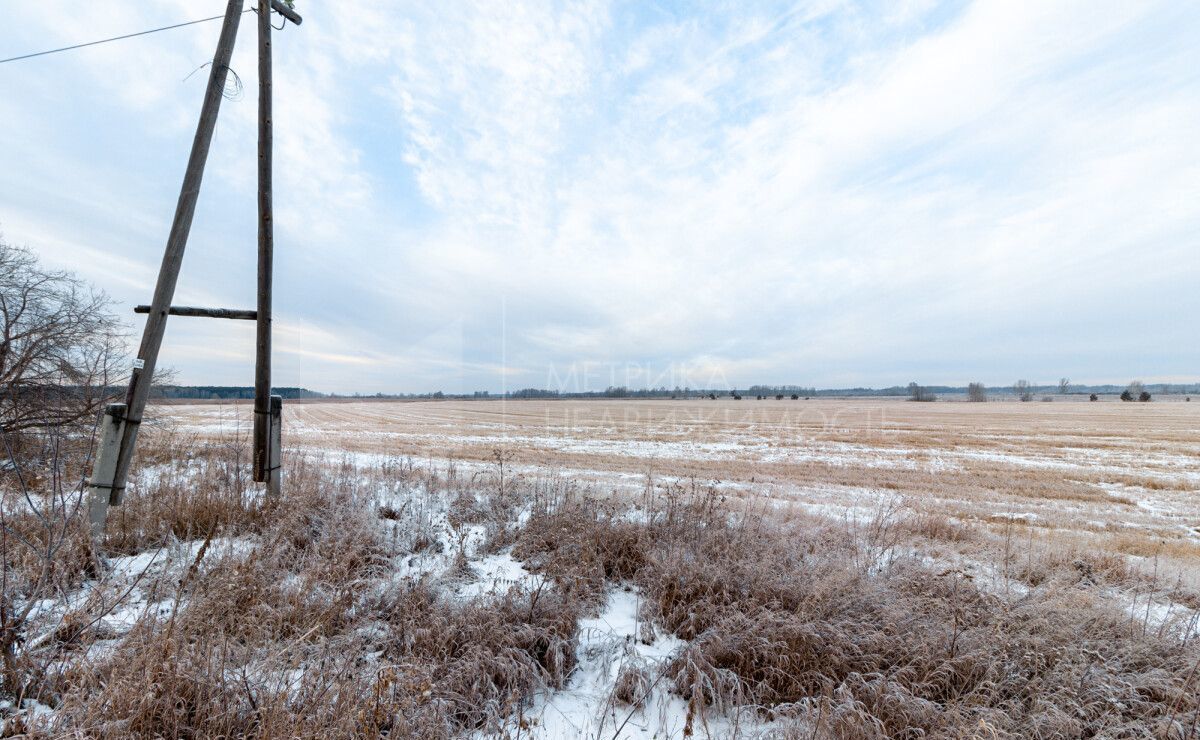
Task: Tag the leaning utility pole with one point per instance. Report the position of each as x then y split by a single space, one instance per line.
119 429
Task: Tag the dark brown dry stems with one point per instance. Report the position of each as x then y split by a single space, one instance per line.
778 620
301 634
829 630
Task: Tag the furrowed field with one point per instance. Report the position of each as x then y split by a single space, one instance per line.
858 568
1115 476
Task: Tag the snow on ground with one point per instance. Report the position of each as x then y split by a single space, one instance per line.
126 594
497 574
625 452
120 599
616 640
1167 512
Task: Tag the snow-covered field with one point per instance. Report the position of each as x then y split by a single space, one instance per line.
1107 470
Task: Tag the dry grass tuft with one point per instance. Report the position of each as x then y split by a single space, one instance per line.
632 687
187 490
584 545
910 651
478 660
1077 567
938 528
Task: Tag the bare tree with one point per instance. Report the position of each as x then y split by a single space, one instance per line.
61 349
919 393
1064 385
977 392
61 353
1023 390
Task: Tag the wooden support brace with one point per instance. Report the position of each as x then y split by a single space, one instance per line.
101 493
209 313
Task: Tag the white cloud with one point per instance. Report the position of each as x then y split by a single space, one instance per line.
809 193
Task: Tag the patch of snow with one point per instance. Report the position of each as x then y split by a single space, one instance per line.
497 574
587 708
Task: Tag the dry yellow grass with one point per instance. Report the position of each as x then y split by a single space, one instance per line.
362 604
1108 474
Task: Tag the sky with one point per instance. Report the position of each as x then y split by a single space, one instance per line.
573 195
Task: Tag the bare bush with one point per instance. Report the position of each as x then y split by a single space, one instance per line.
44 554
1023 390
977 392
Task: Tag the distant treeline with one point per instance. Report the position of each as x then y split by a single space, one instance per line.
1002 390
227 392
766 391
811 392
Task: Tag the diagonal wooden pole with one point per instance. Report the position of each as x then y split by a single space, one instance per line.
266 248
168 274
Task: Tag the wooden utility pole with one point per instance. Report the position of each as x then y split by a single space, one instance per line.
119 429
266 246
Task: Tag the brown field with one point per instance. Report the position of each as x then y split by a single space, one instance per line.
829 570
1119 476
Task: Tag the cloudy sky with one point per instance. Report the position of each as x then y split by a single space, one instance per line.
582 194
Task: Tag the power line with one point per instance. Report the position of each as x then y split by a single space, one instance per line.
116 38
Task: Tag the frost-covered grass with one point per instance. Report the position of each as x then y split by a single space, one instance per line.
402 597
